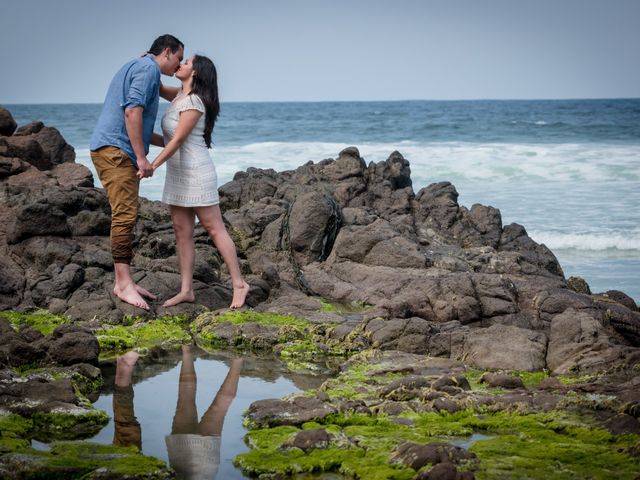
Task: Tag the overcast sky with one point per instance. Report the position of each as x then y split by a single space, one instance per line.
290 50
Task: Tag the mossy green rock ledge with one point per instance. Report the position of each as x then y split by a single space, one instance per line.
386 409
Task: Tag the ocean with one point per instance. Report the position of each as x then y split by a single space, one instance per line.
568 170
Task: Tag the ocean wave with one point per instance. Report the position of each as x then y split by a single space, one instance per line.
453 161
458 160
624 241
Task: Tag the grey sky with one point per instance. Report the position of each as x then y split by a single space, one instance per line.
288 50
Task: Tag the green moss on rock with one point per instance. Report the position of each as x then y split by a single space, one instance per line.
167 331
68 425
40 320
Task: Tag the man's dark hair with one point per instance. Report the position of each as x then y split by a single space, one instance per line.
164 41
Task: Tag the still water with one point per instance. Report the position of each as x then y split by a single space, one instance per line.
186 407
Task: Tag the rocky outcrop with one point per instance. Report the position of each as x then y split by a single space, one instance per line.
441 279
431 276
54 239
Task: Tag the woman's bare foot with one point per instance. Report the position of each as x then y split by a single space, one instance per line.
145 293
239 295
181 297
129 294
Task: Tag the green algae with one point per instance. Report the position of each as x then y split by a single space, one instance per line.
167 332
86 457
545 445
342 308
513 444
14 432
74 460
249 316
40 320
49 426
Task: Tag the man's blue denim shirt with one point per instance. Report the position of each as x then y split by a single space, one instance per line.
137 83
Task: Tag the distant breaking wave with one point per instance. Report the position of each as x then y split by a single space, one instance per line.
458 162
628 241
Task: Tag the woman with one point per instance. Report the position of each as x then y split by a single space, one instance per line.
190 186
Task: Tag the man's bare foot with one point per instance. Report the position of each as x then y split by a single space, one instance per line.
239 295
124 368
145 293
130 295
181 297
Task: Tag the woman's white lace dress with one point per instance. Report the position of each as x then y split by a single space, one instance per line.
191 179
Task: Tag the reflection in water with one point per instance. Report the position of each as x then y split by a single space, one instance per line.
127 428
193 447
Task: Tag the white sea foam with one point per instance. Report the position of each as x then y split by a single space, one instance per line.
455 160
430 162
626 241
448 160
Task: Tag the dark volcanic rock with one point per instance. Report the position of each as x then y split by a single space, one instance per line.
310 439
431 276
579 285
417 456
70 345
501 380
295 411
7 123
50 140
26 149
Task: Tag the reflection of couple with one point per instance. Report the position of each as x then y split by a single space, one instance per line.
119 148
193 447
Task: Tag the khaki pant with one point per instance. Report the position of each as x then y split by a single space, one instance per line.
118 177
127 431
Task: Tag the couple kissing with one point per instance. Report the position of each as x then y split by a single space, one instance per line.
119 149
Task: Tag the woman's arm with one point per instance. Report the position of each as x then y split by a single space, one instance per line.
157 140
186 122
168 93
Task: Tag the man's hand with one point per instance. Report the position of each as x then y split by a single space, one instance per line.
144 168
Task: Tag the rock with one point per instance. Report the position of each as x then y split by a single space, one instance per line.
444 471
7 123
446 405
578 341
15 351
309 439
50 140
504 347
295 411
12 282
311 236
26 149
416 456
70 345
37 219
441 220
623 424
12 166
622 298
533 257
579 285
73 175
501 380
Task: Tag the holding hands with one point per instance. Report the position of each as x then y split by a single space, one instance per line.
145 168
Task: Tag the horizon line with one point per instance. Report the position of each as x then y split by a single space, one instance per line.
367 101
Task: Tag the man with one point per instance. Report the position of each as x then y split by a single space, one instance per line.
119 148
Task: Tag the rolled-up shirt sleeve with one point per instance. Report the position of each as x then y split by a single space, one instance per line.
136 95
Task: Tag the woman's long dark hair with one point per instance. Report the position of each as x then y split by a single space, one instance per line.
205 85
